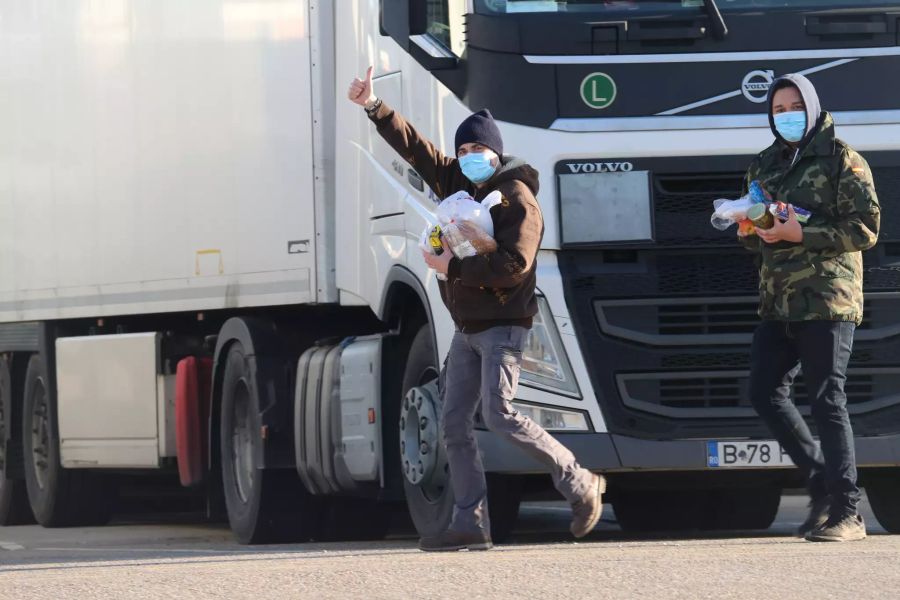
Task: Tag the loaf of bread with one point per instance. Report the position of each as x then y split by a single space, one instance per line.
465 239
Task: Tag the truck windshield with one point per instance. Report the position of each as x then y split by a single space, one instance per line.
618 6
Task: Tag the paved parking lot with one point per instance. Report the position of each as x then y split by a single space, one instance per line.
181 558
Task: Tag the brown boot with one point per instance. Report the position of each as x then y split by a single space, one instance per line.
586 512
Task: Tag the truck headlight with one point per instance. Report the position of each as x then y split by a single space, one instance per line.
544 361
553 419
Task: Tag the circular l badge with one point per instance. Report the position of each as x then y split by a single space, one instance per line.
598 90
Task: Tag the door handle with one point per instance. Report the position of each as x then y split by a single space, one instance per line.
865 25
680 30
414 180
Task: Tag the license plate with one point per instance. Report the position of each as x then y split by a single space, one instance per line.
732 455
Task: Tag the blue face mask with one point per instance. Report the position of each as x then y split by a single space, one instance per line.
791 125
477 167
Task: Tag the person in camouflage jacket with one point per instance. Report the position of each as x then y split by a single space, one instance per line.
811 297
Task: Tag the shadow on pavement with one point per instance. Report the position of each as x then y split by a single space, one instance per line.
161 539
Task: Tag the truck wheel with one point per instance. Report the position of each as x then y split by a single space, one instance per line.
354 519
14 509
741 508
691 510
58 497
883 491
504 499
658 510
264 506
423 460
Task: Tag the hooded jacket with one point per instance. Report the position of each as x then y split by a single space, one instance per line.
821 277
810 101
496 289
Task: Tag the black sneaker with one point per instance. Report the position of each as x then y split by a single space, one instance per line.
818 516
848 528
450 541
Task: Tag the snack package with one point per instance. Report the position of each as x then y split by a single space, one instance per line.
434 240
728 212
431 242
746 227
758 193
780 210
431 231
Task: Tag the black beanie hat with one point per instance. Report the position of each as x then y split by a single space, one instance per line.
480 128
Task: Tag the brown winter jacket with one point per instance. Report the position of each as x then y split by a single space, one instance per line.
489 290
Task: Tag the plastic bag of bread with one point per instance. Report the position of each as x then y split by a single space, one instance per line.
462 207
464 224
466 238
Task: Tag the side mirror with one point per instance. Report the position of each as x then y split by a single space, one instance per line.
403 18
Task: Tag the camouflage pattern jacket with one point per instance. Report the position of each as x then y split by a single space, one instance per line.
821 277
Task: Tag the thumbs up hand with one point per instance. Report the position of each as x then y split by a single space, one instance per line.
360 91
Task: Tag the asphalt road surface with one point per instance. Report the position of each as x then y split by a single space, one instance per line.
181 558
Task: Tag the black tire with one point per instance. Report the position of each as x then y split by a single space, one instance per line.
504 499
14 508
883 491
263 505
58 497
641 511
355 519
696 510
430 512
741 508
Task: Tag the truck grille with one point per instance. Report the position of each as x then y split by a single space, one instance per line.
679 322
665 326
674 274
674 321
683 204
725 394
707 319
887 186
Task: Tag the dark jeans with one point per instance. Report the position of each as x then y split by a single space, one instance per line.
823 350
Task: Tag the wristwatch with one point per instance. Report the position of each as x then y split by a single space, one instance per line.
375 106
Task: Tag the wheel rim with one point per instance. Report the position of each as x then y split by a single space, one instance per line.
423 459
40 433
242 442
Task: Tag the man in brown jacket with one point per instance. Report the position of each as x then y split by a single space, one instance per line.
492 301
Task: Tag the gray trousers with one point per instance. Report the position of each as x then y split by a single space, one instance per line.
486 366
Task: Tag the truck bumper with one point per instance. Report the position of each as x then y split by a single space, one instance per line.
609 452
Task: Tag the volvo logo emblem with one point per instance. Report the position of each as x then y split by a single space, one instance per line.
601 167
756 85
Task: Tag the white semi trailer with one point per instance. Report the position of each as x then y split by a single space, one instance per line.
209 262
